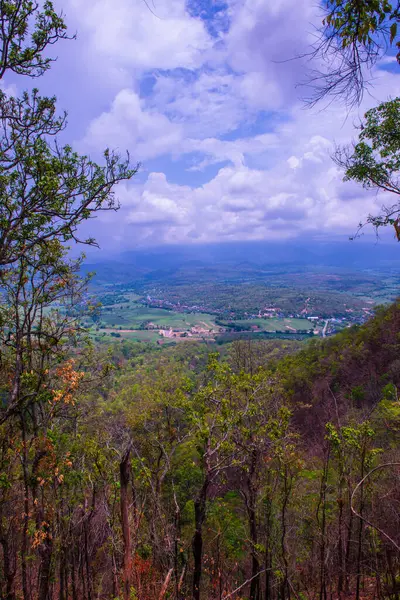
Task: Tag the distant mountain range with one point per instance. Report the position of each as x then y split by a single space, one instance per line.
254 260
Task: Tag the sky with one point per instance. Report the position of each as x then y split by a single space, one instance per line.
207 95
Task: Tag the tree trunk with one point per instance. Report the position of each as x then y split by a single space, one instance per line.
252 516
9 571
124 471
87 559
63 586
322 504
197 542
348 557
177 530
284 588
46 547
165 585
24 544
255 565
73 575
360 530
46 550
268 554
341 554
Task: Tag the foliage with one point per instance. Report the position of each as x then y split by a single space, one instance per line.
353 36
46 190
27 30
375 160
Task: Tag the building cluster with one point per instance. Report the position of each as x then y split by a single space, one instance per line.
195 332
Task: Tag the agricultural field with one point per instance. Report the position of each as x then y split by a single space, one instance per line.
275 324
130 322
133 335
135 316
220 312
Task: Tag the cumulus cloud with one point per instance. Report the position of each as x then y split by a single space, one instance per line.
268 42
222 100
241 203
129 124
138 35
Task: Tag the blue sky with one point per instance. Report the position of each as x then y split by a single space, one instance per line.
205 95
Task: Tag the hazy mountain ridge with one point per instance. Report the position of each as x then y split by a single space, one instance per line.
255 260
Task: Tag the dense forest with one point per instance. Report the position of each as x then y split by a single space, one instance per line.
268 471
152 473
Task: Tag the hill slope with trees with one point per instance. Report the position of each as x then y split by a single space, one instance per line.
182 471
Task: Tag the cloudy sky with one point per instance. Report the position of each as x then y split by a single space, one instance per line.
206 95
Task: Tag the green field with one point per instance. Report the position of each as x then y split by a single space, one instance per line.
136 335
126 321
135 315
275 324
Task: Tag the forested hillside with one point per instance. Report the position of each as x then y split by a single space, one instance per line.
176 473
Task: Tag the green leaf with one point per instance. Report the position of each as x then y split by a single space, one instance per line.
393 32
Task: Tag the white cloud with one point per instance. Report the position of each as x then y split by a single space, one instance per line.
266 42
243 203
230 102
295 188
129 125
140 35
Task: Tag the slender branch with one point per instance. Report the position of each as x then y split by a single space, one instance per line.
359 484
245 583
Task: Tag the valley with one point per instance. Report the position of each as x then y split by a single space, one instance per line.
125 314
224 293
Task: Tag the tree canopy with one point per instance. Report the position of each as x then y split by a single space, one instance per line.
46 190
374 161
27 29
354 35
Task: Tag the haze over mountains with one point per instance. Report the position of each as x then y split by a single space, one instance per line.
243 258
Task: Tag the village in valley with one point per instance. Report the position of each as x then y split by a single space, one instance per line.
164 321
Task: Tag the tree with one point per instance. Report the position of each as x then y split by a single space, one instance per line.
353 36
45 191
374 161
26 31
260 431
214 418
